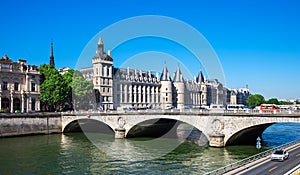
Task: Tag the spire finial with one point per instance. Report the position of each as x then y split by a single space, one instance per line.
100 42
51 54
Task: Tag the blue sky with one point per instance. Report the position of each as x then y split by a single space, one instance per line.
256 41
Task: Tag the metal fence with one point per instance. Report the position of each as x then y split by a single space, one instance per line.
250 159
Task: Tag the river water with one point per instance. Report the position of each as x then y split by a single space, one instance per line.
76 153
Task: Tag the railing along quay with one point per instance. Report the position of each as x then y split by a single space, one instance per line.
250 159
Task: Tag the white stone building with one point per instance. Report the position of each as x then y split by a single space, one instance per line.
121 87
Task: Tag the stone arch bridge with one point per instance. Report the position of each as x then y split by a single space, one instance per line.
221 129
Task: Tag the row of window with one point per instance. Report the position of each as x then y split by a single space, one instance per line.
105 71
17 103
16 86
104 81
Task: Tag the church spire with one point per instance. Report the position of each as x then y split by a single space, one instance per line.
51 55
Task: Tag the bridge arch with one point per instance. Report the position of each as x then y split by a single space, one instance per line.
250 127
87 125
195 121
247 136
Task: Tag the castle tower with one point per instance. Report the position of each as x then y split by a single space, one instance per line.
103 77
166 89
51 55
179 89
201 81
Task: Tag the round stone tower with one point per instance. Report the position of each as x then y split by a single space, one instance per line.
166 93
179 89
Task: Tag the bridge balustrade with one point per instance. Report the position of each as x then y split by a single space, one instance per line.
250 159
191 111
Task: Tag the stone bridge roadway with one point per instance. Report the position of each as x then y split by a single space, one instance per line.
221 129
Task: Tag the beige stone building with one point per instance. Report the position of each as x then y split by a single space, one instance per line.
20 86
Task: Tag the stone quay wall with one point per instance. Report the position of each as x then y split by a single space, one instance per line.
18 124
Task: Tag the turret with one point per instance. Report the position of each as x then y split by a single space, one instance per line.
166 88
179 89
103 77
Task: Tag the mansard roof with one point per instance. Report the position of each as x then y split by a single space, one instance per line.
165 76
178 75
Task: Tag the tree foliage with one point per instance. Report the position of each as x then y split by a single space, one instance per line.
83 96
255 100
65 91
273 101
53 89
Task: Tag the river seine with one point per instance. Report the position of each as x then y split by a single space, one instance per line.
74 153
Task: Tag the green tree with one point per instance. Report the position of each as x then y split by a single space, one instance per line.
68 78
255 100
83 94
273 101
53 89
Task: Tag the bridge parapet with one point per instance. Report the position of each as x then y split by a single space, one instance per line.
190 111
246 161
221 127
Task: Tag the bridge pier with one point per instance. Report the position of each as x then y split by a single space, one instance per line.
120 133
216 140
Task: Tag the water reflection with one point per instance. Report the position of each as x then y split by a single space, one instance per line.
135 157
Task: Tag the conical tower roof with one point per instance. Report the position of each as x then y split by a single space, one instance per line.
178 76
165 76
200 78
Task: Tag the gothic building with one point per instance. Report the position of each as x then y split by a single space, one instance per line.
125 87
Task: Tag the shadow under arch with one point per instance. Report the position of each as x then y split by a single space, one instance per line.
248 136
168 128
88 125
154 128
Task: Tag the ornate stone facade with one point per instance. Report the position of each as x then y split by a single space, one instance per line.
129 88
20 86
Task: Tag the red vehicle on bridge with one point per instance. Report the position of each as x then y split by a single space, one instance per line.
269 107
